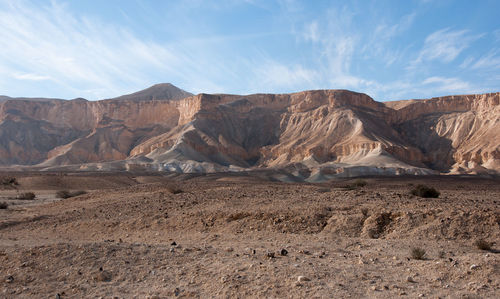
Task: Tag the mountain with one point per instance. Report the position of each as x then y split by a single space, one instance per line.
310 135
164 91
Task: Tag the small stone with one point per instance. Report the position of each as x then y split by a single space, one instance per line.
58 296
303 278
9 279
473 267
410 279
103 276
374 288
173 244
270 255
421 295
229 249
284 252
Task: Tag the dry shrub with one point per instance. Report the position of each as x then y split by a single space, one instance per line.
68 194
359 183
355 184
425 191
26 196
9 181
483 244
417 253
174 190
3 205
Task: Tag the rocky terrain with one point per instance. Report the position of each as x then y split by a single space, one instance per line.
241 235
311 135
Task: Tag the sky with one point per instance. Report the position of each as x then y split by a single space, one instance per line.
390 50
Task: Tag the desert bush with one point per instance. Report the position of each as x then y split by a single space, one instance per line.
26 196
482 244
63 194
348 187
9 181
355 184
68 194
3 205
417 253
359 183
425 191
174 190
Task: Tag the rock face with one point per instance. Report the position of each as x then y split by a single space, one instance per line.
311 135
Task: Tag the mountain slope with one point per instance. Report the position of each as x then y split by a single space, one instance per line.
313 134
163 91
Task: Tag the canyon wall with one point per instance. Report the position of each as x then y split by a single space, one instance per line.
164 127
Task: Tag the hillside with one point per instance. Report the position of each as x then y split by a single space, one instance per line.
312 135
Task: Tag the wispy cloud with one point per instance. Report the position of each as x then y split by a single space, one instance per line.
31 77
447 84
84 54
445 45
488 61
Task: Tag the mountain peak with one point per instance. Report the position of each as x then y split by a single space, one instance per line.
161 91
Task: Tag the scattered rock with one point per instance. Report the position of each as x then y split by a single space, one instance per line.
103 276
270 255
410 279
173 244
284 252
473 267
303 278
9 279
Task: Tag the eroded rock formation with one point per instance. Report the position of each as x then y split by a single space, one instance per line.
312 133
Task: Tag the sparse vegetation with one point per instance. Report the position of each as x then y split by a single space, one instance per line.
425 191
3 205
483 244
26 196
174 190
417 253
67 194
9 181
358 183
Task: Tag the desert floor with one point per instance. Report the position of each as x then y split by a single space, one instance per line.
230 236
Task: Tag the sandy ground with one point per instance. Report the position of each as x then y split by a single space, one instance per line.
242 236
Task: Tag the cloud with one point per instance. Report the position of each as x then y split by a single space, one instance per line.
82 54
281 77
445 45
442 84
496 34
31 77
488 61
311 32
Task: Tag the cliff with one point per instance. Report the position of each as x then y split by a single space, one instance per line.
321 132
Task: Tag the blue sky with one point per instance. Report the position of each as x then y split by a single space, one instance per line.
390 50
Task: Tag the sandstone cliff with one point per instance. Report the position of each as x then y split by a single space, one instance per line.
317 133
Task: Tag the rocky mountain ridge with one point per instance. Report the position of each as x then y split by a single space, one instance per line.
312 135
